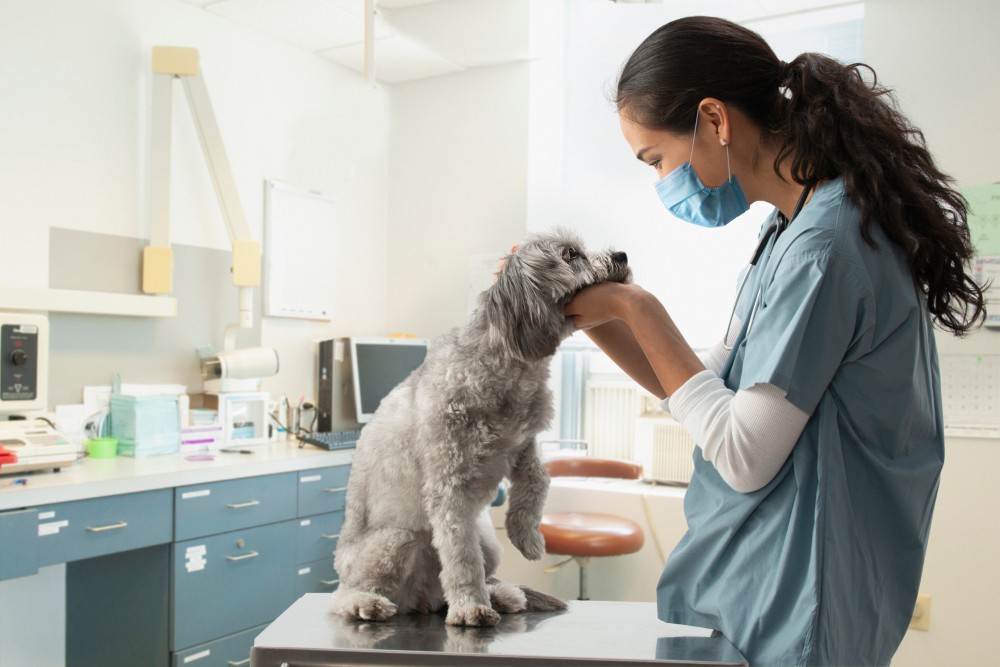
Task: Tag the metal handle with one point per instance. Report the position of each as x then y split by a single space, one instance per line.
329 582
338 490
327 536
237 506
252 554
101 529
237 663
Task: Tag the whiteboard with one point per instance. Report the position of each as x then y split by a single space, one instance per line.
299 252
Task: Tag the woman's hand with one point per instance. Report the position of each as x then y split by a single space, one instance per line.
601 303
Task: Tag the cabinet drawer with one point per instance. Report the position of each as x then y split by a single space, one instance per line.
227 583
207 509
316 577
18 543
316 536
87 528
231 651
323 490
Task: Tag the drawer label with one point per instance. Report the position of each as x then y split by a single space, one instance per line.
42 516
196 494
51 528
310 478
304 570
194 558
197 656
305 522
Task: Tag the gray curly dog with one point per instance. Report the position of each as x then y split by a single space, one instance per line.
416 536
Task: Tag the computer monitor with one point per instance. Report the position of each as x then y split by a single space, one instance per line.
378 365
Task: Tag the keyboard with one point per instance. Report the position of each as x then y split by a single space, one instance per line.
331 439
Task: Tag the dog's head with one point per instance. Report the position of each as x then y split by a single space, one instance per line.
524 308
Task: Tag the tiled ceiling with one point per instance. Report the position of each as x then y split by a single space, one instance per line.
414 39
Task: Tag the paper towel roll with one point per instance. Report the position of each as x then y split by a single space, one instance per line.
251 362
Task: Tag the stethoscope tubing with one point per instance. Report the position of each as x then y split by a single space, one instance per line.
775 229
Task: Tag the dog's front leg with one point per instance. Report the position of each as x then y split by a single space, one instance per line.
453 520
529 487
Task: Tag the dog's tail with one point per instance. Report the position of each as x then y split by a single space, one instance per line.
538 601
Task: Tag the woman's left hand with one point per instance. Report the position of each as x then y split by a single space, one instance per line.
599 304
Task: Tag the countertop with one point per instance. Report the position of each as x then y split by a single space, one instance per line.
94 478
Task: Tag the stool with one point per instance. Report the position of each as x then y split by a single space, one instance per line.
585 535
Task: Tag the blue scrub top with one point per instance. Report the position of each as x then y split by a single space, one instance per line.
822 565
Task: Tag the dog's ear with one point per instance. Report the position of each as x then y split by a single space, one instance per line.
519 318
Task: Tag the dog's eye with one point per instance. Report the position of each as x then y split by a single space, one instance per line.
571 254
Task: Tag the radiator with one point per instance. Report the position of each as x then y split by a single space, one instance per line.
664 449
611 408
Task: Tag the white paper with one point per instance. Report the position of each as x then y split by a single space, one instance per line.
310 478
197 656
194 558
196 494
988 269
305 522
304 570
51 528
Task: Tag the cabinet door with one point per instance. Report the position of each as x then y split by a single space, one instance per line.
230 651
18 543
88 528
316 536
323 490
218 507
230 582
316 577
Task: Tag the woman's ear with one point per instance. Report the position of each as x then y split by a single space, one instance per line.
717 114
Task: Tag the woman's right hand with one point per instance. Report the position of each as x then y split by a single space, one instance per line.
503 261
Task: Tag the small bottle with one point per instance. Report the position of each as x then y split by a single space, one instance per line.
286 417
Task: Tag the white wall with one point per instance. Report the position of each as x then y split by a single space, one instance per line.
941 59
74 132
75 136
458 176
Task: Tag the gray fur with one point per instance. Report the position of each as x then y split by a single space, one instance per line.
416 535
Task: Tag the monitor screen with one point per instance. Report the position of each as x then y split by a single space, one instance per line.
379 364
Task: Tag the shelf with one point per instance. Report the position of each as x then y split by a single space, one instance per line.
78 301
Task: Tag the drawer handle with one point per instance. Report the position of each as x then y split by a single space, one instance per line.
327 536
237 663
329 582
237 506
252 554
101 529
337 490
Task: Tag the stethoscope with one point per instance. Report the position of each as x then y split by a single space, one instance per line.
775 229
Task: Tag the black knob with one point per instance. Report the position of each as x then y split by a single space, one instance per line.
19 357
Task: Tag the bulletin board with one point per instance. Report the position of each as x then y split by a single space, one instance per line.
299 252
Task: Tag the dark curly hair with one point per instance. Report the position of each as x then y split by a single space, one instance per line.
827 120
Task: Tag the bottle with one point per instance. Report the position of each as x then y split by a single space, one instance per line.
285 412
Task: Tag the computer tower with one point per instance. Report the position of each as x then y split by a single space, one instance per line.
336 411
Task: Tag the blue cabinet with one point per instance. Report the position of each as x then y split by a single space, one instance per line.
323 490
88 528
206 509
316 536
231 651
18 543
230 582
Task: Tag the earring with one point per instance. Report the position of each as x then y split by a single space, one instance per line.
722 142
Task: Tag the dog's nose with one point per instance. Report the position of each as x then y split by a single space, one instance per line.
619 257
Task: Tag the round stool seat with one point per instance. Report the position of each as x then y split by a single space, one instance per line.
590 534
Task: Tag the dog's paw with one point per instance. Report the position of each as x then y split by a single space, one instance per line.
507 599
364 606
530 543
473 614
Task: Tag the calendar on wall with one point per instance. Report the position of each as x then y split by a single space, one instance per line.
970 390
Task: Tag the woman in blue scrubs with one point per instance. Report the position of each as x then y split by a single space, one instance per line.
818 415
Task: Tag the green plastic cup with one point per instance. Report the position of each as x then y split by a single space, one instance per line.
102 448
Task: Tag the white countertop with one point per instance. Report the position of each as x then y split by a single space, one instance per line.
95 478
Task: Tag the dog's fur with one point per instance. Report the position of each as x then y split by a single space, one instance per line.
416 536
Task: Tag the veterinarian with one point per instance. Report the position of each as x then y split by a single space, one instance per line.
818 415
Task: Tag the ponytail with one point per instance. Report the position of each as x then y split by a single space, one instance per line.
827 120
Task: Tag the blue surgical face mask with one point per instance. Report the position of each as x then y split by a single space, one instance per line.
684 195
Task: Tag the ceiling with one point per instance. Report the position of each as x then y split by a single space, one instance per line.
418 39
414 39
